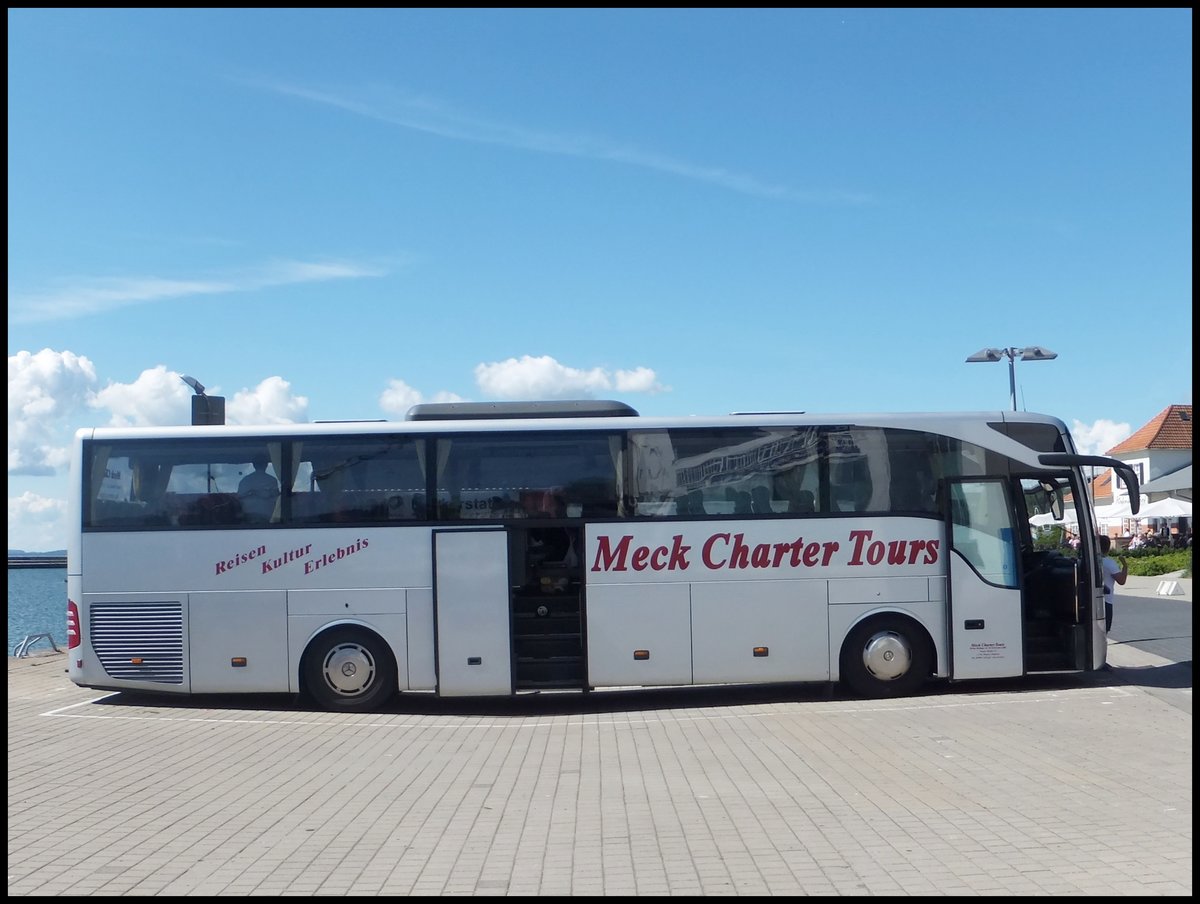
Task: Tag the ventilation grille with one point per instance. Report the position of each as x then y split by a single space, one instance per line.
139 641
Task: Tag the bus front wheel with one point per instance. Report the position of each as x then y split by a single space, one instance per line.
886 657
349 670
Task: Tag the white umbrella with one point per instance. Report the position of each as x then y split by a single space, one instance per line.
1167 508
1116 511
1047 518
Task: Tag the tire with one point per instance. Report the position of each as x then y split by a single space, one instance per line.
349 670
888 656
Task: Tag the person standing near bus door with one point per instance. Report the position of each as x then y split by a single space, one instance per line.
258 491
1114 574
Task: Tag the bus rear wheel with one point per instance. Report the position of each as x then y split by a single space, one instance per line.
886 657
349 670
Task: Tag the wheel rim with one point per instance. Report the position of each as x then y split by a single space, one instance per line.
887 655
349 670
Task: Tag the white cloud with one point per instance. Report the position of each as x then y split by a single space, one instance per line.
640 379
545 378
158 397
270 402
38 522
44 390
94 295
399 397
1098 438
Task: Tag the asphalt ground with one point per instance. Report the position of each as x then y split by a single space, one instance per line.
1076 785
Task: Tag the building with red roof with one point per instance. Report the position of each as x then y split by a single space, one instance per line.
1160 448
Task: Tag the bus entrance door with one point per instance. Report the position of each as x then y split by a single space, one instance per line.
985 594
470 569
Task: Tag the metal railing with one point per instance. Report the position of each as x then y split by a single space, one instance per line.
22 649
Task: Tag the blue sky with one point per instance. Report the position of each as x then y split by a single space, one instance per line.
330 214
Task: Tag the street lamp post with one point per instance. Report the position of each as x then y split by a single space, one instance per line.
206 409
1030 353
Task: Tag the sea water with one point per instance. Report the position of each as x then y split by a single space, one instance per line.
37 604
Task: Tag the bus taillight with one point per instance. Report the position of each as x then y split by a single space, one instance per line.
73 638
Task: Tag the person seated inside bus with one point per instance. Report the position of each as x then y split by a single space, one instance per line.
690 504
804 503
550 546
549 556
419 512
258 492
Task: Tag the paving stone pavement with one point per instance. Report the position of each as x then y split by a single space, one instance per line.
1050 786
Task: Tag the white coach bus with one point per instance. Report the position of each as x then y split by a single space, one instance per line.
489 549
